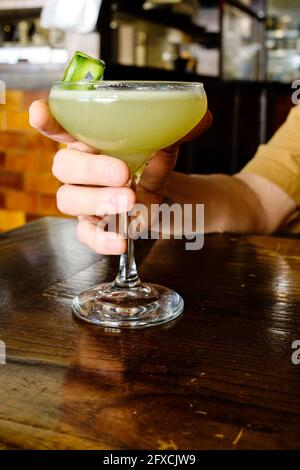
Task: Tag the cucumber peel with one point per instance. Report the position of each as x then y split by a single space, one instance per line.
82 67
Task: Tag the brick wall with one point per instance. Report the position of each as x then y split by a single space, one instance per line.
27 187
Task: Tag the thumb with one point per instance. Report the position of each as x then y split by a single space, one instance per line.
155 173
163 162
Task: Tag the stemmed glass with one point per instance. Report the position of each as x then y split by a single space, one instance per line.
130 120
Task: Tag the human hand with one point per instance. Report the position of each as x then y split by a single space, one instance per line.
94 184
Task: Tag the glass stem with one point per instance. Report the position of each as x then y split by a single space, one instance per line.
127 276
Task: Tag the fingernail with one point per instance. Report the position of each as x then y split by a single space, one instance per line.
113 175
113 245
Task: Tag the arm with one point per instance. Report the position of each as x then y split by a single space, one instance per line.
258 199
242 203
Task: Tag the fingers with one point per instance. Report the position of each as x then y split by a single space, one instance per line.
159 167
155 173
81 200
77 167
200 128
41 119
89 218
163 162
106 243
82 147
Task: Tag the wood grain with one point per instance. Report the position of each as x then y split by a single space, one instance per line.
221 377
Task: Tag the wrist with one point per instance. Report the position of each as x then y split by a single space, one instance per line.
274 205
251 210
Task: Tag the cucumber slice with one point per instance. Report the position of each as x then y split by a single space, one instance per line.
83 67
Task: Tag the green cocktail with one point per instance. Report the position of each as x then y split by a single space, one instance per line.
130 121
130 124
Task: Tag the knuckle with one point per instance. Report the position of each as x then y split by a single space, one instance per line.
90 166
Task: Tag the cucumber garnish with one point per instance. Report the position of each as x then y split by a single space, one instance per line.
84 68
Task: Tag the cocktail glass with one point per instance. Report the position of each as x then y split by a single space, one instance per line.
130 120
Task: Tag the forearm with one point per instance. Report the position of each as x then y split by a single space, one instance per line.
231 204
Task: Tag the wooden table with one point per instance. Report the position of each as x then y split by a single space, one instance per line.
221 377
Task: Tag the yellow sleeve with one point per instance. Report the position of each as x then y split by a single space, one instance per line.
279 159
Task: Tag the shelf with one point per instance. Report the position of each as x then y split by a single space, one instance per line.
164 18
280 34
25 76
18 15
282 53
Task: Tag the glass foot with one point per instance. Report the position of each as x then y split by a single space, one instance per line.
111 306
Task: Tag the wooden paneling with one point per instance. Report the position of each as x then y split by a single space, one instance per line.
27 186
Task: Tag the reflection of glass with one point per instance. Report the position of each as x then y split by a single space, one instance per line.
131 121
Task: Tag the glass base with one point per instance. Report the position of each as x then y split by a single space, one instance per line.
112 306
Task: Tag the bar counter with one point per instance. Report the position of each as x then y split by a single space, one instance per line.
24 76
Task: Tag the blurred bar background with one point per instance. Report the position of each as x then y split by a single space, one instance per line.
246 53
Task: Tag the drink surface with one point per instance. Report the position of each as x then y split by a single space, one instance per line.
128 124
